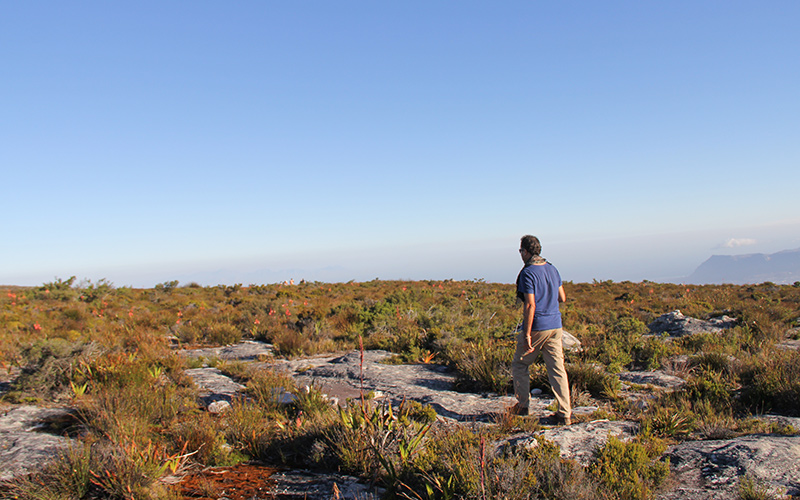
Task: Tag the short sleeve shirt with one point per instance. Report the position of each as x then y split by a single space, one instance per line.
543 282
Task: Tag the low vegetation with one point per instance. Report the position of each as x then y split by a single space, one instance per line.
110 353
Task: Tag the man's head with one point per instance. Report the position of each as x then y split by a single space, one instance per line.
531 245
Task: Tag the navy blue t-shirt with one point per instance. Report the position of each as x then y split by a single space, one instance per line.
543 282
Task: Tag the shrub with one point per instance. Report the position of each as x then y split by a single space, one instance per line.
222 334
626 471
772 382
248 429
98 470
204 438
539 472
670 422
269 388
594 379
52 366
482 365
752 489
455 453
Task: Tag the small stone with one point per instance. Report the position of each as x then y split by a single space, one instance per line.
218 407
536 392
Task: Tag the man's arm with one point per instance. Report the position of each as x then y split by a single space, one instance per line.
562 296
527 317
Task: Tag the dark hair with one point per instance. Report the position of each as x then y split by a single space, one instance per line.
531 244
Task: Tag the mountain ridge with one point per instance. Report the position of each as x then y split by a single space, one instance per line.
780 268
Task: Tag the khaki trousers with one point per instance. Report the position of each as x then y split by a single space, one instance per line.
548 343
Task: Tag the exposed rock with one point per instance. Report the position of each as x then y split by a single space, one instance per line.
654 378
675 324
7 375
792 340
23 444
569 342
781 420
218 407
346 376
213 384
789 345
247 350
711 470
312 486
578 441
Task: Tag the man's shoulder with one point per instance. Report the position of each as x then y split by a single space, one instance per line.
547 269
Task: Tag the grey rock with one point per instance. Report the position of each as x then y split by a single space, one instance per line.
570 342
576 442
781 420
214 385
23 445
247 350
346 377
313 486
218 407
711 470
789 345
675 324
653 378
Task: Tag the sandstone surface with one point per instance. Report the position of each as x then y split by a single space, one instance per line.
24 442
711 470
675 324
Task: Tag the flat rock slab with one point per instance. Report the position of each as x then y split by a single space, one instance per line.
654 378
789 345
429 384
23 447
675 324
578 441
711 470
570 342
247 350
213 384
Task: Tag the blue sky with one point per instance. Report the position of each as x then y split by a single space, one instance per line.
261 141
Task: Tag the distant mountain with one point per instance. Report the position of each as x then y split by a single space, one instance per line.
779 268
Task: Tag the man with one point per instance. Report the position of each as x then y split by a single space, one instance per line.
540 289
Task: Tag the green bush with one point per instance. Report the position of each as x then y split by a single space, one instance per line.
627 471
772 383
223 334
482 365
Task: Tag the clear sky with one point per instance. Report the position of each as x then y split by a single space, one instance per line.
258 141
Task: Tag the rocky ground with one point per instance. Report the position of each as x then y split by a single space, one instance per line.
700 469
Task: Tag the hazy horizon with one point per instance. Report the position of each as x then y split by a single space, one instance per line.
488 261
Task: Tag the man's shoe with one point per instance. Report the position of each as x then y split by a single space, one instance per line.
555 420
519 410
561 420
